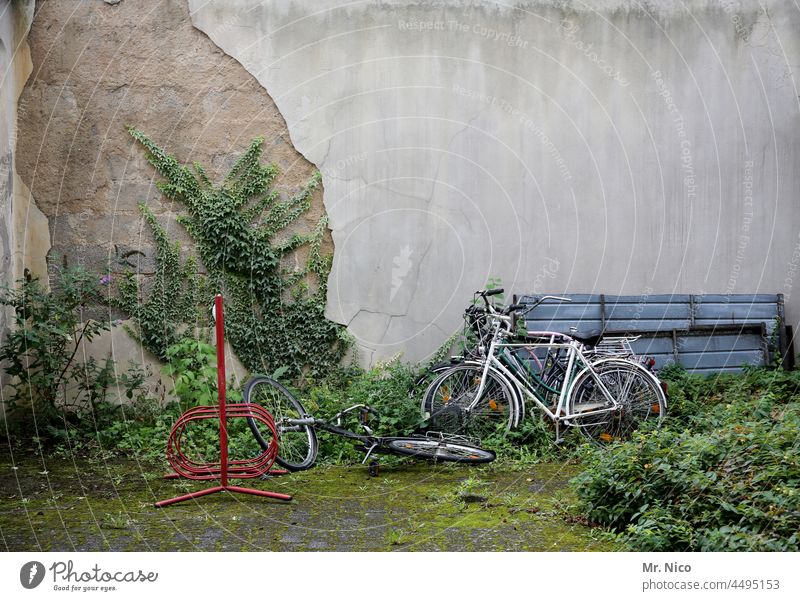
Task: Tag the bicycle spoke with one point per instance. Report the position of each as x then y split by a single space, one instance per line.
456 408
297 444
634 392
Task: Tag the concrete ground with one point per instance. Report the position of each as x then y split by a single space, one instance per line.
66 504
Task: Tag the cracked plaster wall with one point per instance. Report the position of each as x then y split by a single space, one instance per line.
24 239
96 67
615 147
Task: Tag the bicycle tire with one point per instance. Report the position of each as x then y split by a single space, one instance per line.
431 374
297 445
455 389
425 379
439 450
636 389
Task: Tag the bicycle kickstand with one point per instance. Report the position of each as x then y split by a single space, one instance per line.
373 465
559 438
373 468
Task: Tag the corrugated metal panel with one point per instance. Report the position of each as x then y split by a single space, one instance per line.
705 334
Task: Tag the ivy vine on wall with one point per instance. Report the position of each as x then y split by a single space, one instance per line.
274 314
175 291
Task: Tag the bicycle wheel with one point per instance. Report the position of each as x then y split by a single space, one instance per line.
637 393
423 382
297 445
450 403
439 450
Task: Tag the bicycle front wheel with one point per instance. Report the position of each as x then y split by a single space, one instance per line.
422 385
439 450
297 445
452 405
638 395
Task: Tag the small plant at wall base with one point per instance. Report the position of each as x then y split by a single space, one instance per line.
192 366
273 317
51 382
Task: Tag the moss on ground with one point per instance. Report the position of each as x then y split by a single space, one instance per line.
88 504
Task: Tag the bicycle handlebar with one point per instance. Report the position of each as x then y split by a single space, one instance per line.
541 300
491 292
365 410
508 314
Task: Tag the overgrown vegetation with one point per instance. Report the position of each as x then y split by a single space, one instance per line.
52 385
386 388
274 313
722 474
176 291
140 427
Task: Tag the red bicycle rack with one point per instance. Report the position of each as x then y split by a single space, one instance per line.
241 468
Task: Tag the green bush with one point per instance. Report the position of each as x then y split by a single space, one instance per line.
192 365
52 388
722 474
386 388
532 441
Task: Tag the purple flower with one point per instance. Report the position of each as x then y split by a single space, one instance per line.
105 280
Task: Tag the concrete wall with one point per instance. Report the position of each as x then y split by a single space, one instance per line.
97 67
612 147
23 229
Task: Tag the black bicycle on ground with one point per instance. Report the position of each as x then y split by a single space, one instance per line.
297 437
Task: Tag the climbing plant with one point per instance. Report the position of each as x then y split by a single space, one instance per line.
171 301
274 313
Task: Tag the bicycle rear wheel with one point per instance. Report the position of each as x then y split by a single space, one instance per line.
637 392
297 445
439 450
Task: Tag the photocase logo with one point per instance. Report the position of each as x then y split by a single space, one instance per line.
31 574
401 266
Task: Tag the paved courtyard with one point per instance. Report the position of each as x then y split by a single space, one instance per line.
68 504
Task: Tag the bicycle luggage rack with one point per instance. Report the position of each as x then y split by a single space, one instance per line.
224 469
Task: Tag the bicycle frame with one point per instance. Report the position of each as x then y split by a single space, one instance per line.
372 444
575 357
555 382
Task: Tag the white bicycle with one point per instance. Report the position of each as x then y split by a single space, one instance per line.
605 395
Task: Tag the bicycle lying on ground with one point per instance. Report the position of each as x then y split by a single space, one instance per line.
297 438
605 394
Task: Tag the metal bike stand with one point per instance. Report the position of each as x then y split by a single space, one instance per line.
222 471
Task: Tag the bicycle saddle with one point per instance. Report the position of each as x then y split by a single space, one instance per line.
589 337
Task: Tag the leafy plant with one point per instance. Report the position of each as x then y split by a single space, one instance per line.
39 352
174 294
192 365
723 474
275 314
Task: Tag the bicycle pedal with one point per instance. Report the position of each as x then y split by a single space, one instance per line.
373 469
